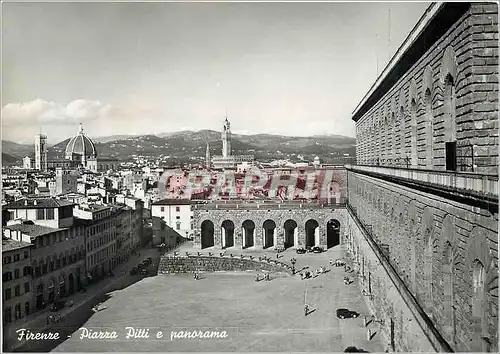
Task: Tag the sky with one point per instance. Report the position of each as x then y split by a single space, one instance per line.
147 68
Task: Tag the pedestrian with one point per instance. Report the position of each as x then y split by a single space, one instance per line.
331 262
306 310
48 320
257 277
268 278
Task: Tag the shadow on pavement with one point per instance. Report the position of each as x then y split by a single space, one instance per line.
73 321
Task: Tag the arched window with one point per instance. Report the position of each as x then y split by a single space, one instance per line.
413 112
480 324
429 130
449 124
393 138
402 135
478 280
379 127
386 154
448 293
429 261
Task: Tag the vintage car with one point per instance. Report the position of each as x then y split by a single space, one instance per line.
353 349
99 307
345 313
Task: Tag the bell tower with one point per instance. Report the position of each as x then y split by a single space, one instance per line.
226 138
207 157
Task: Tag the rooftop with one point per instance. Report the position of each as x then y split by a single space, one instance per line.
9 244
36 203
436 20
93 207
33 230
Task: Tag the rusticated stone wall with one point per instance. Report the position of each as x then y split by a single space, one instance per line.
300 215
193 263
412 120
435 244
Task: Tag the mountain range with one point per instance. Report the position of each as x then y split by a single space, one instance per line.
190 146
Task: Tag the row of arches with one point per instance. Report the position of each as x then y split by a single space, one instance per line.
57 287
270 237
426 252
386 139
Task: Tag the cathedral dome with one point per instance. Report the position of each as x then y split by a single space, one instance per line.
80 146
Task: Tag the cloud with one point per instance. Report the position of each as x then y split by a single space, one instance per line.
38 112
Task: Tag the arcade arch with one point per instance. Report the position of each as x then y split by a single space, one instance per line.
227 231
312 233
269 233
332 233
248 233
207 234
290 227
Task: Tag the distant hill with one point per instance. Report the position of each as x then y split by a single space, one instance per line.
17 150
9 159
190 146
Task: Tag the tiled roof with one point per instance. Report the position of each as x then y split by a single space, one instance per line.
93 207
173 202
40 203
32 230
9 244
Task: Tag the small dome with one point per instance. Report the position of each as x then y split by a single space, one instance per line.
316 158
80 145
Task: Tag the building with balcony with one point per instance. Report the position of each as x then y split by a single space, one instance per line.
423 199
16 281
99 224
125 235
136 206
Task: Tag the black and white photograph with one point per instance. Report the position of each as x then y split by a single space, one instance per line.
249 176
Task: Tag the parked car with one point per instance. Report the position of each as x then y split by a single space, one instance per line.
345 313
317 249
58 305
353 349
143 271
309 249
134 271
99 307
300 251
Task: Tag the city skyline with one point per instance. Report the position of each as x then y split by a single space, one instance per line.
269 64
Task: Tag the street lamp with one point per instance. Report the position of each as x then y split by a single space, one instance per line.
293 261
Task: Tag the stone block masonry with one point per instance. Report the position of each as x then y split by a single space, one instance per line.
191 264
443 251
449 94
299 215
